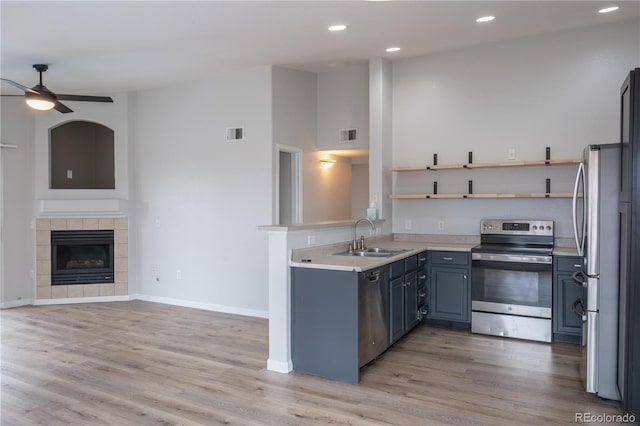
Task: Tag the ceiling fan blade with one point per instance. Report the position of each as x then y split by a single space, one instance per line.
62 108
84 98
14 84
14 96
18 85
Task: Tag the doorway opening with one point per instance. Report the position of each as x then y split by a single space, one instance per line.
288 186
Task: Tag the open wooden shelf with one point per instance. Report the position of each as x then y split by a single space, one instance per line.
487 165
461 196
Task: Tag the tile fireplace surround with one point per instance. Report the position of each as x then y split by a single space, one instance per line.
119 287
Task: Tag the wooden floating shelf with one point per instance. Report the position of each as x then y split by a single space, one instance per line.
487 165
462 196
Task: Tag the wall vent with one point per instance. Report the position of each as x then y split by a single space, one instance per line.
348 135
235 134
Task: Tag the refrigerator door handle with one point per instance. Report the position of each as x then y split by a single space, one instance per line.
579 313
579 238
579 278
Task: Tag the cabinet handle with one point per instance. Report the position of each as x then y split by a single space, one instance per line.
447 258
577 266
422 294
422 259
423 277
464 276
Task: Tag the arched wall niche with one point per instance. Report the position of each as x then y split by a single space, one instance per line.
81 156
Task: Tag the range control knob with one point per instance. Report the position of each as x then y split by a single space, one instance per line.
535 228
548 227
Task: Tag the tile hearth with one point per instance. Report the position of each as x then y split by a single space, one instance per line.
119 287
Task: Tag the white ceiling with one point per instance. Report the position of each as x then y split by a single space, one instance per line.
102 47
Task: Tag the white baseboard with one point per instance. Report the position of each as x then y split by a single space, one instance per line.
204 306
146 297
16 303
72 300
279 366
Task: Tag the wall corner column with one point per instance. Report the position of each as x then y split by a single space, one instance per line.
380 152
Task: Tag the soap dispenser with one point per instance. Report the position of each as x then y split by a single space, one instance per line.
372 211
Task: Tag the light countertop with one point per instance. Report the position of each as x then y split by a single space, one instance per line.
325 257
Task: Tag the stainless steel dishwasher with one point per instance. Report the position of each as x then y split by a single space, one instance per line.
373 313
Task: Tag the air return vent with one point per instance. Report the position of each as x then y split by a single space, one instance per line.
348 135
235 134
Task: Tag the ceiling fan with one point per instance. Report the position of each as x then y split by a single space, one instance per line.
40 98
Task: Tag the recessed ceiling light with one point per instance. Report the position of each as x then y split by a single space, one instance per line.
393 49
331 65
338 27
485 19
608 9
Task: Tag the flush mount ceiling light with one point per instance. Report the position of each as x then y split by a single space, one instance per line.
393 49
608 9
485 19
327 164
337 27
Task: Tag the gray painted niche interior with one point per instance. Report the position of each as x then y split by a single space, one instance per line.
81 156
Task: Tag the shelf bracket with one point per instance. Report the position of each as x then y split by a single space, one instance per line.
547 158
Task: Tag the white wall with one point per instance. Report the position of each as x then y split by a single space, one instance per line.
17 181
359 190
559 90
343 103
199 199
326 193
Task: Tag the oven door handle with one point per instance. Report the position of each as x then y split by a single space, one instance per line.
580 313
496 257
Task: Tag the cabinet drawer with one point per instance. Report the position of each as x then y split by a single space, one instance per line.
396 268
411 263
569 263
449 257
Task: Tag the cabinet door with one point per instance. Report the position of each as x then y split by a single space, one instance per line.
411 301
567 292
396 311
449 294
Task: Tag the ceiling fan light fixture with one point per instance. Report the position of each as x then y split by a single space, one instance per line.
41 103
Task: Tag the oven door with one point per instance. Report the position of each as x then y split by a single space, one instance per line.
512 284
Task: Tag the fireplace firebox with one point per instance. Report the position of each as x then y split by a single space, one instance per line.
81 257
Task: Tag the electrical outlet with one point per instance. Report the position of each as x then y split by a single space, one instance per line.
407 224
154 273
311 239
178 274
441 225
511 154
69 174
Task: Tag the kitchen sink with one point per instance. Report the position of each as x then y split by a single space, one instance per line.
373 252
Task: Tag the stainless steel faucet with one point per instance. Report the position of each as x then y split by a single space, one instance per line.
359 245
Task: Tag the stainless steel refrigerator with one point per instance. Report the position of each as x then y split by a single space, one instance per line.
596 231
629 328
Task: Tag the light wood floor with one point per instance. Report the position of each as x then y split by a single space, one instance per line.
132 363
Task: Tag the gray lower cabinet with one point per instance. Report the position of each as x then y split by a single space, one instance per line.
567 294
448 287
403 295
324 323
339 320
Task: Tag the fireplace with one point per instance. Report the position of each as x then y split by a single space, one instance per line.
82 257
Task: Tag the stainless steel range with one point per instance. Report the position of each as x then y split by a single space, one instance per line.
512 279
